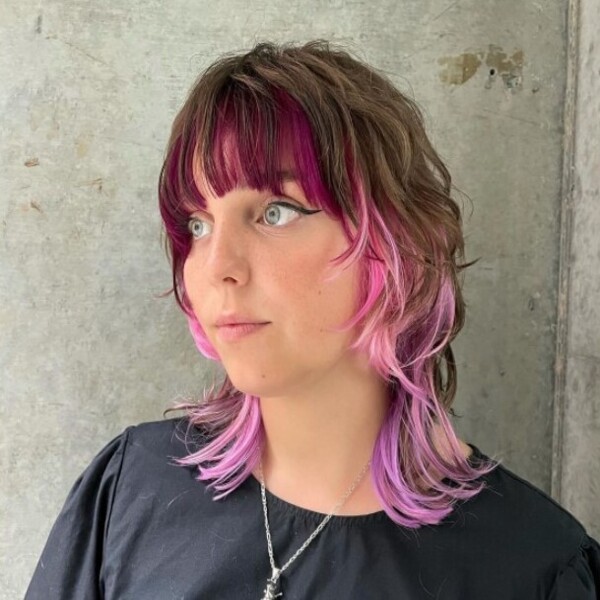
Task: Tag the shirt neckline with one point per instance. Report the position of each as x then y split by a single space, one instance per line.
283 506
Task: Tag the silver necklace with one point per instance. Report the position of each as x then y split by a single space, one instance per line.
271 590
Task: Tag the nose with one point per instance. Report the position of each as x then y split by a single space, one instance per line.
228 254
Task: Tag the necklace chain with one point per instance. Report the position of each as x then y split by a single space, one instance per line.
277 572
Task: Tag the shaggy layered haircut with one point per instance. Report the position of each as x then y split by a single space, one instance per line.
361 154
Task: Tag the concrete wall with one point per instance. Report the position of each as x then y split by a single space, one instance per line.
87 94
577 415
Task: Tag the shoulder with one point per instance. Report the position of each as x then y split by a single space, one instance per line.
156 435
162 439
150 477
145 449
174 436
520 524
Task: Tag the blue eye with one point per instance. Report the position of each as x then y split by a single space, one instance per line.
196 227
272 215
274 210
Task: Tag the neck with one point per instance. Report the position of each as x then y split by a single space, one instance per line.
319 437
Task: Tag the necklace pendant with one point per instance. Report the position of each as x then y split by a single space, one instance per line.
271 590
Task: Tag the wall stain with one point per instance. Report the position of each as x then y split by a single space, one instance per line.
32 162
81 146
25 207
459 69
36 206
38 24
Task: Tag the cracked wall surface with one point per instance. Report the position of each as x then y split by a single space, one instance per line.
88 346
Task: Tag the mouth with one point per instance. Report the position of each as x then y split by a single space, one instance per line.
236 331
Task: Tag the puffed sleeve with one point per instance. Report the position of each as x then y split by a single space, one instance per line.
71 561
579 579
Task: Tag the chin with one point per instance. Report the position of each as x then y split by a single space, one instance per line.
260 387
247 384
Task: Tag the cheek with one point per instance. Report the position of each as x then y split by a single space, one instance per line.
337 298
320 304
192 284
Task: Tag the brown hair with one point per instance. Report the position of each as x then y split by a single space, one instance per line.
362 155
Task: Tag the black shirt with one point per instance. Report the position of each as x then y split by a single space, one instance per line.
135 527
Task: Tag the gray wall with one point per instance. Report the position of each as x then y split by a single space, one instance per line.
577 410
87 94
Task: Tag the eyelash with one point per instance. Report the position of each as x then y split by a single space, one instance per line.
297 209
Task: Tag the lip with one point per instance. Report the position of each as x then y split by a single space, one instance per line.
231 333
235 319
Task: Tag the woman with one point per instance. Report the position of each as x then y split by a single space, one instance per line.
314 246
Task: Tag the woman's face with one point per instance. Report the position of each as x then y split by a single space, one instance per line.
270 263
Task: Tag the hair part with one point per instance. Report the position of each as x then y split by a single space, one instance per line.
360 152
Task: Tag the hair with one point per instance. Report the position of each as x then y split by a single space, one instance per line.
361 154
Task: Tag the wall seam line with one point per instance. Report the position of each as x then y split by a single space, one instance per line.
564 249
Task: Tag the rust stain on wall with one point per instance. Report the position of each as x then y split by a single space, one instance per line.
459 69
509 68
